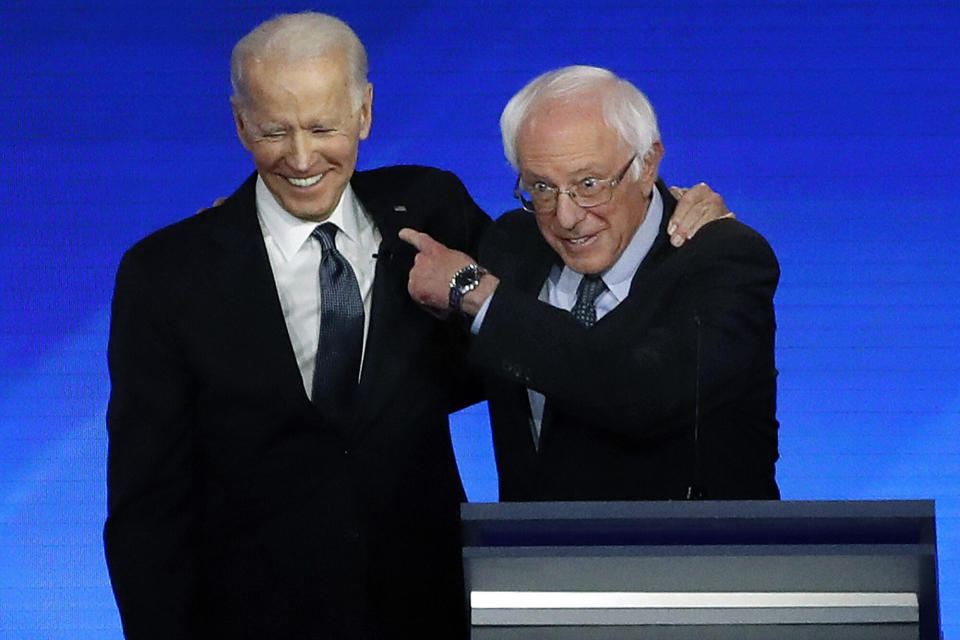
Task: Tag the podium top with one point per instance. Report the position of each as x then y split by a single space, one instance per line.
748 522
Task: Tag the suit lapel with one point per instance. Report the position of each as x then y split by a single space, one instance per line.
531 273
397 327
240 270
661 245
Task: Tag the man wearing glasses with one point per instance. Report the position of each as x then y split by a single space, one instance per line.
619 368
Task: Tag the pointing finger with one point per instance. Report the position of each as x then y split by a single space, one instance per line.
413 237
422 241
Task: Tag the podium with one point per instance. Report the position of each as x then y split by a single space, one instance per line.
712 570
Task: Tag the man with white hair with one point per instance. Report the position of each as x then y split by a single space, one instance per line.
619 367
280 461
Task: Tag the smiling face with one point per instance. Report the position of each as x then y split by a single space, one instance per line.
562 143
303 130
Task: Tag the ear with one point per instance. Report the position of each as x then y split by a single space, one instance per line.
242 130
366 112
651 162
651 165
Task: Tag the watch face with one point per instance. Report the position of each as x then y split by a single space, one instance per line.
463 282
466 278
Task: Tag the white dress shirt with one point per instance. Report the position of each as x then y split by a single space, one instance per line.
295 260
560 288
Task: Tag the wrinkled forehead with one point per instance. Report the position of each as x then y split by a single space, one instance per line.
328 72
330 68
316 83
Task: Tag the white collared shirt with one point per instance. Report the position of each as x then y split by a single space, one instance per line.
295 260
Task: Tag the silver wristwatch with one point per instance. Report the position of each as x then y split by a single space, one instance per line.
463 282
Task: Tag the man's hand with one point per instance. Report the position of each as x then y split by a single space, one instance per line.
216 203
696 206
434 267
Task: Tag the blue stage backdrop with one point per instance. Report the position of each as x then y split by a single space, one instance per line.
831 127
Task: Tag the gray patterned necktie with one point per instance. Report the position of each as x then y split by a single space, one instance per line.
341 329
585 309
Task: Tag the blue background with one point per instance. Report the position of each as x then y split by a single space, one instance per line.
831 127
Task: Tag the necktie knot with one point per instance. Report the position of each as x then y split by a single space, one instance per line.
585 309
325 234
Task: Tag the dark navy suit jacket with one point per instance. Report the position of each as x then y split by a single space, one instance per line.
235 509
671 394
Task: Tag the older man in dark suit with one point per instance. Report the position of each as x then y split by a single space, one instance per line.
280 461
619 367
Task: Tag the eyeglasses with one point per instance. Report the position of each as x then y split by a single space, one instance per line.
541 197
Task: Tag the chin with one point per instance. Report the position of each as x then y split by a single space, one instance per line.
312 210
587 264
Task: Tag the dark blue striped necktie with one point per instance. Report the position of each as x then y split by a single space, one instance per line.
585 309
341 329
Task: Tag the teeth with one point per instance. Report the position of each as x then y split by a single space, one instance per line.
305 182
578 240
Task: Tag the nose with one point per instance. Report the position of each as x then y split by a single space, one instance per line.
568 212
300 152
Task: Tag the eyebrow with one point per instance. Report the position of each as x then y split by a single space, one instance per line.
591 173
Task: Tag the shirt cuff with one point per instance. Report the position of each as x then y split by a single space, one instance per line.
478 319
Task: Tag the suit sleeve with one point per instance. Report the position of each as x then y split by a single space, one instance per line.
708 321
151 532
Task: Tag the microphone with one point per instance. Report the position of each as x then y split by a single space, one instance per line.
695 490
384 252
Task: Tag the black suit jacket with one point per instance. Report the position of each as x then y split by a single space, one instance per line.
235 509
672 393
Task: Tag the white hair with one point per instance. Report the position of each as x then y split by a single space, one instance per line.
292 37
625 109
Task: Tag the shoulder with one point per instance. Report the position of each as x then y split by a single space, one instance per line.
726 234
513 241
186 241
725 253
408 182
424 198
731 237
515 226
516 220
173 243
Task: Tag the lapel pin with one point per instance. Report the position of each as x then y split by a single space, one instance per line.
399 208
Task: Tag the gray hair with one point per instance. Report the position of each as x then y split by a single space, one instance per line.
298 36
625 109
